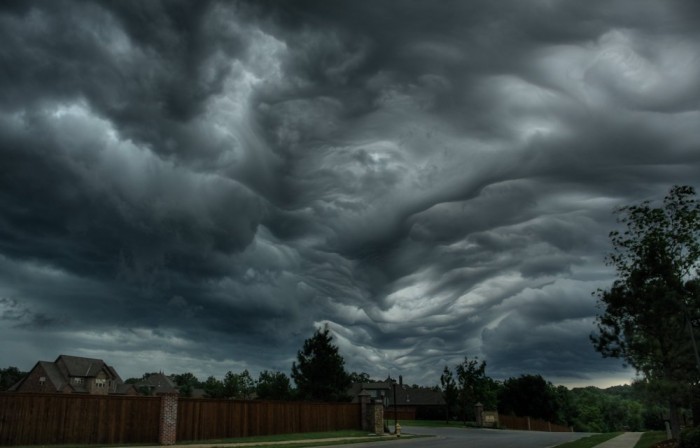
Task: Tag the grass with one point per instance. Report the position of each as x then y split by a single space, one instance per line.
650 438
301 439
283 437
590 441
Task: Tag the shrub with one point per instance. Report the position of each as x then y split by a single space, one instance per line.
690 438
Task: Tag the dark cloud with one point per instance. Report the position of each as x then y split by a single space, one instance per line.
196 185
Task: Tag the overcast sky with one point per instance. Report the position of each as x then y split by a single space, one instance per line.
196 186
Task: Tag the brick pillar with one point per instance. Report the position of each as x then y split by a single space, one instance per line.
167 432
378 417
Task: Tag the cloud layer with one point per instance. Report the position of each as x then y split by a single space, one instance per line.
193 186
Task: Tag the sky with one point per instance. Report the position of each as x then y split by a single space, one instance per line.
198 186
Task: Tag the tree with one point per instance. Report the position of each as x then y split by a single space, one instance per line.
473 386
319 372
647 308
273 386
186 383
449 391
238 385
213 388
361 377
9 377
529 395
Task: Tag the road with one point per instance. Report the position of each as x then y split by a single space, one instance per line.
478 438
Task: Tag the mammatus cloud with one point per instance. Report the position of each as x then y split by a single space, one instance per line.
198 185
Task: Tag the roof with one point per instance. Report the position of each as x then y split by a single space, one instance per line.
158 382
418 396
83 367
53 374
406 396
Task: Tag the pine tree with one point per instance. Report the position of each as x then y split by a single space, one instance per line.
319 372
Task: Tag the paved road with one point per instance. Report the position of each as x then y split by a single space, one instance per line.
478 438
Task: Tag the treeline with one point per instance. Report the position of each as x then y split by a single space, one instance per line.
588 409
318 374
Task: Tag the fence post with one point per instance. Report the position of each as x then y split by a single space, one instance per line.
378 417
529 428
167 431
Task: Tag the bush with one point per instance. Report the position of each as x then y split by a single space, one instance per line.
690 438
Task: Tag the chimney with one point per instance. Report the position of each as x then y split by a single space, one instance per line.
400 380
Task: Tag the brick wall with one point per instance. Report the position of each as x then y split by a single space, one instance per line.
33 382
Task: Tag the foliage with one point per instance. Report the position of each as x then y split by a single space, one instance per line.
213 388
647 307
361 377
273 386
9 377
529 395
473 386
186 383
605 410
690 438
319 371
449 391
238 385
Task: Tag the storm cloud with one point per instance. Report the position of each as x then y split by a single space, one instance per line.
195 186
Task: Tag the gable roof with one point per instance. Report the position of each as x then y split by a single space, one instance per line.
158 382
418 396
82 367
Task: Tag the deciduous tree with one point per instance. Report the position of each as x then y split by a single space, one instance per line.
273 386
646 311
473 386
448 386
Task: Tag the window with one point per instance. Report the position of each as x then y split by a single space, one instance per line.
77 380
42 380
100 382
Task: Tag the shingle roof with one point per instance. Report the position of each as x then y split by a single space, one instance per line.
83 367
53 374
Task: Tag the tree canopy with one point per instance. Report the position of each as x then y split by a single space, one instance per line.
319 371
648 307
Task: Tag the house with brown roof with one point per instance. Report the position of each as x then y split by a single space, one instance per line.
409 402
74 375
157 383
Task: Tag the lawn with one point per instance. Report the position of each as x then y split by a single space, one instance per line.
650 438
590 441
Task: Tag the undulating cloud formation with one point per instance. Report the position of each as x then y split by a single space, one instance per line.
197 185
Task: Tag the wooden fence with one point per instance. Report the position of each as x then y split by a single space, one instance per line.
77 419
42 419
529 424
202 419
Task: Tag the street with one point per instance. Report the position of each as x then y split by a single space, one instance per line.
480 438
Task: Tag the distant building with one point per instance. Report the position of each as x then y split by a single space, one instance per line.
411 402
156 383
73 375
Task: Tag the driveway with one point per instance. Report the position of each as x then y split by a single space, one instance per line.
478 438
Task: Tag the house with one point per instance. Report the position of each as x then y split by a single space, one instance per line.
411 403
156 383
74 375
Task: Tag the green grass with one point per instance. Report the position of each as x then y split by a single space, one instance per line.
650 438
283 437
590 441
261 441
